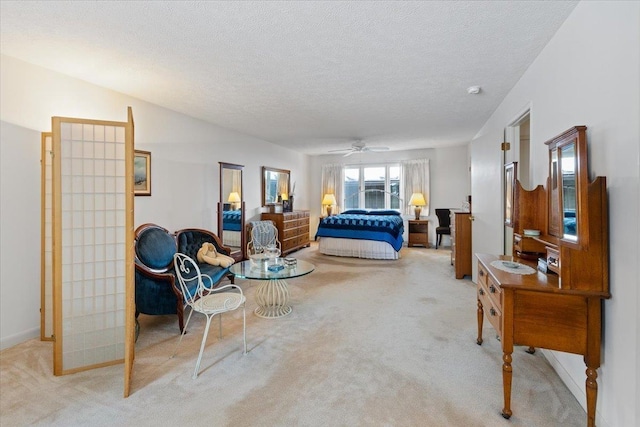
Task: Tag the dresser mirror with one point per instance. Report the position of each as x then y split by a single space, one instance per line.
275 183
231 209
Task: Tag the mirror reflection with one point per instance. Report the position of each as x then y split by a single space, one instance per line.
275 184
568 171
231 219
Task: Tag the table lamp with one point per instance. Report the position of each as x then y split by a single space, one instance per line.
329 200
234 198
417 200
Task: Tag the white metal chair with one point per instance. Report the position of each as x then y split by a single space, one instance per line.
206 300
264 238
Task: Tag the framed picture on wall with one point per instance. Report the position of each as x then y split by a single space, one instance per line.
142 173
510 176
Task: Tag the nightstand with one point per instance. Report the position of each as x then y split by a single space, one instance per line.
419 232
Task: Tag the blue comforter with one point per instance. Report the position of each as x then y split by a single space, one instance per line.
368 226
231 220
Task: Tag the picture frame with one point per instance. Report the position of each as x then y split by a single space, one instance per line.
142 173
510 176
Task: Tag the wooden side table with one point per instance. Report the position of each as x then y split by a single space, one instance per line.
419 232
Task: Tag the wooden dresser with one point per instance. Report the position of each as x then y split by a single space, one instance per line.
561 308
293 229
461 243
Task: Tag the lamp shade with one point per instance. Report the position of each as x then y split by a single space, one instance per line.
417 199
284 196
329 199
234 197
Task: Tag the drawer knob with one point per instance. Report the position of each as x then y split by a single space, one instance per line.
482 272
481 291
492 289
492 311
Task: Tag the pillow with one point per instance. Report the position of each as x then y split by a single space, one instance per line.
355 212
384 212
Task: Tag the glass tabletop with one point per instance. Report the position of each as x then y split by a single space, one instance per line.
260 270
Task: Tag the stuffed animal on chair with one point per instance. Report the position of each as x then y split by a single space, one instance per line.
208 254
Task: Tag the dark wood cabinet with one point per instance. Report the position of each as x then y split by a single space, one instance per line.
418 232
461 243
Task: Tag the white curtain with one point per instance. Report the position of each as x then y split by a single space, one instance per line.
415 174
332 179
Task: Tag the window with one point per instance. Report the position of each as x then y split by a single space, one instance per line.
372 187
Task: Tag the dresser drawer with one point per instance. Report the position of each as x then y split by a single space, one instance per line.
289 244
289 233
491 310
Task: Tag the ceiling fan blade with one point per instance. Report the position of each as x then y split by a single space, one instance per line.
376 148
349 153
341 150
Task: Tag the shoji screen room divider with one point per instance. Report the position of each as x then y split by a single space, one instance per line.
92 244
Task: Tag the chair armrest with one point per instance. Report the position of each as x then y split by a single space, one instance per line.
167 276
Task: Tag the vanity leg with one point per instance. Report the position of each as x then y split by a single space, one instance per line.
480 314
591 386
506 384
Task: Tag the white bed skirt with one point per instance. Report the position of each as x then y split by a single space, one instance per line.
356 248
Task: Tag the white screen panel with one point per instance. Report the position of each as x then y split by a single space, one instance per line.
92 240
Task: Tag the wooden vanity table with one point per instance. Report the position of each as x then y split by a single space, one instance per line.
561 309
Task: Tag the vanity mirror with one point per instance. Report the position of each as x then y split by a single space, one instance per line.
568 180
275 183
231 209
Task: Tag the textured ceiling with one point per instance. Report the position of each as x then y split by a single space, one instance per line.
311 76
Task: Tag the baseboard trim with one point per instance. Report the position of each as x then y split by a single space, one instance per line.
10 341
576 389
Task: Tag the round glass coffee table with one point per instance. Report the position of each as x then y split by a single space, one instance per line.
272 294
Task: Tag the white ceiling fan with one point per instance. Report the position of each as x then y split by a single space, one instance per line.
358 147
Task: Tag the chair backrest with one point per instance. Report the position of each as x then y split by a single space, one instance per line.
189 278
444 220
154 247
263 235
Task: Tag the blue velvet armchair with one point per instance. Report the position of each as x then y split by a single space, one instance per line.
157 291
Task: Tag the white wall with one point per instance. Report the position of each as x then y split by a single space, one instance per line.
449 178
20 234
589 74
184 172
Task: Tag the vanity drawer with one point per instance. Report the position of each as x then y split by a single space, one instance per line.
553 260
483 274
527 244
491 310
490 286
495 292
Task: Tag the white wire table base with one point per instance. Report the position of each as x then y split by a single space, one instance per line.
272 296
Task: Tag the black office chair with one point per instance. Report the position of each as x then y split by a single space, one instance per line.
444 225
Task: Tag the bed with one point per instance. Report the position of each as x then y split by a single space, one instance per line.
232 226
375 234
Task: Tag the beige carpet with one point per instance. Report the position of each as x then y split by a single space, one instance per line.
369 343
